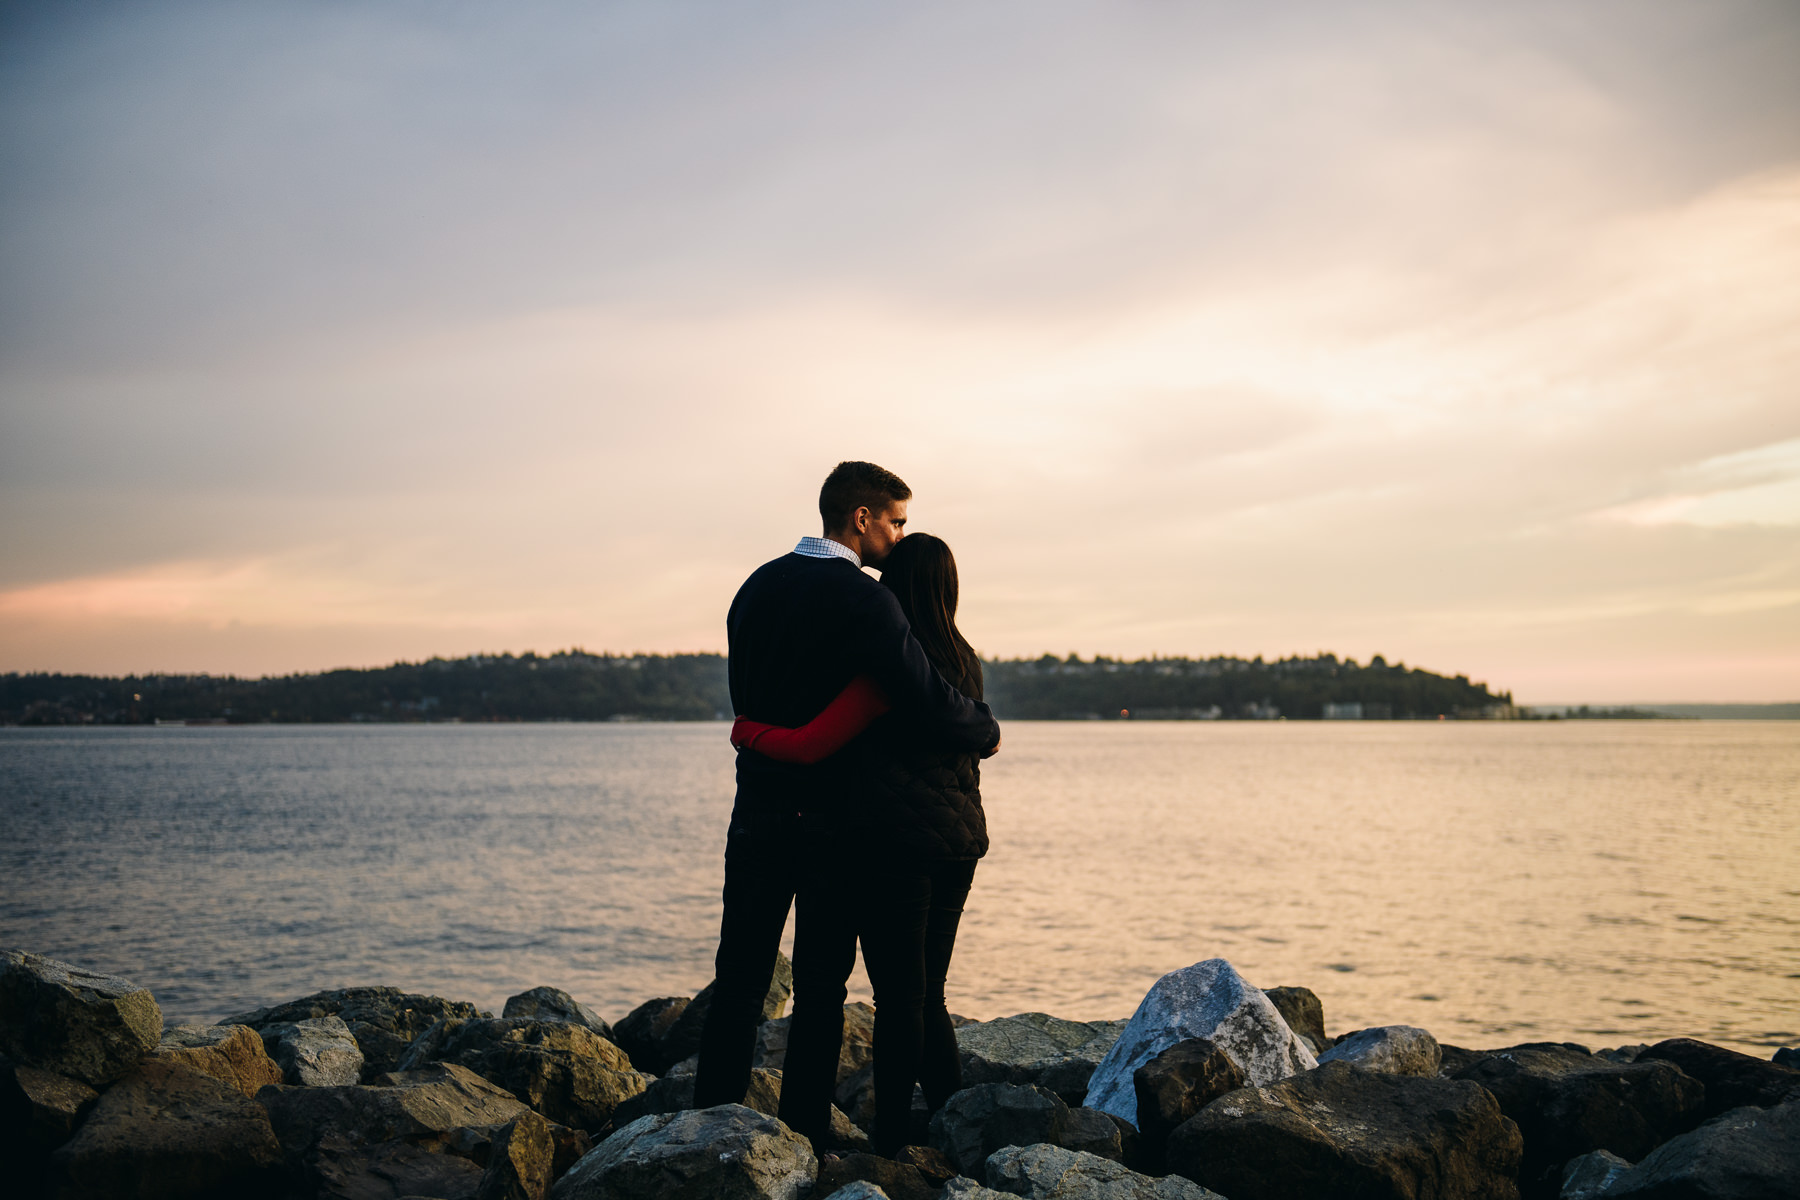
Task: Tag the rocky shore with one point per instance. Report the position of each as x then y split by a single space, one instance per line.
1213 1088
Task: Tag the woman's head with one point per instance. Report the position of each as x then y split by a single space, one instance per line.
921 572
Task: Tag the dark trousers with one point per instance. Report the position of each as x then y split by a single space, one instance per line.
908 928
763 864
825 931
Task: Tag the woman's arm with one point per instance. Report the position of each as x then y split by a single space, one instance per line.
845 717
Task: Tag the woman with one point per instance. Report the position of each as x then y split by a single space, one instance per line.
917 829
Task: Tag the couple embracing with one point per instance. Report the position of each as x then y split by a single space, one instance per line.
860 728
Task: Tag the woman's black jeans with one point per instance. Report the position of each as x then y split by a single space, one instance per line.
908 930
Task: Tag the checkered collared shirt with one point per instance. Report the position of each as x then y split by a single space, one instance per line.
813 547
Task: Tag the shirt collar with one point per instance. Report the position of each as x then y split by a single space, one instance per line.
813 547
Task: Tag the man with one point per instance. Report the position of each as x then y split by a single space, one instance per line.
800 629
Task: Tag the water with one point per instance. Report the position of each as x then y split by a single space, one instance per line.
1600 882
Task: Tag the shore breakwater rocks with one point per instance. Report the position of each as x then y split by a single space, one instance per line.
1207 1000
724 1153
1395 1049
320 1052
77 1023
1036 1048
383 1020
1305 1015
1568 1102
1054 1173
1747 1154
168 1130
1341 1130
660 1033
554 1004
1175 1085
1732 1080
567 1073
232 1054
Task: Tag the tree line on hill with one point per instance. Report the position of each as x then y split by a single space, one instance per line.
574 685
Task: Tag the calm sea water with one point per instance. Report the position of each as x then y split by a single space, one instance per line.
1601 882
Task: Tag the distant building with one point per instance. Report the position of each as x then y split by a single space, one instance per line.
1349 710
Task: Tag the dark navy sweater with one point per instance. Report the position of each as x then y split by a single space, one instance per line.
801 628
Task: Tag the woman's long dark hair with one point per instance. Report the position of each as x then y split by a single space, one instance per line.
921 572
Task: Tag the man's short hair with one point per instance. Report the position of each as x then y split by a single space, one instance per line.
854 485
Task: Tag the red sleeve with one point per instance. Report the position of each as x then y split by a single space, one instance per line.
845 717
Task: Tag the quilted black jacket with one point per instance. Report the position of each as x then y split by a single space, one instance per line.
913 806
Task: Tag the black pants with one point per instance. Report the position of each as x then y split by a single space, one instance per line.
908 927
763 866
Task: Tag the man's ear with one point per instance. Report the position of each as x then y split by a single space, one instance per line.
859 520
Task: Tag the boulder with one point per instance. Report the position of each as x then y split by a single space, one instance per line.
78 1024
1053 1173
383 1020
896 1180
39 1109
1787 1056
168 1130
723 1153
1747 1154
862 1190
429 1107
932 1163
320 1052
1090 1131
1732 1080
1622 1053
1568 1102
1175 1085
1395 1049
554 1004
232 1054
675 1093
961 1187
1301 1009
1456 1058
565 1072
644 1032
1342 1131
979 1120
1588 1177
521 1161
1207 1000
1036 1048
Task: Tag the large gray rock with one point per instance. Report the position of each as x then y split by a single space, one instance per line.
39 1109
1175 1085
723 1153
1568 1102
979 1120
232 1054
1588 1177
675 1093
565 1072
166 1130
75 1023
644 1032
383 1020
521 1161
1036 1048
320 1052
1732 1080
1341 1131
1747 1154
1090 1131
554 1004
428 1107
1305 1015
1395 1049
895 1180
1053 1173
858 1189
962 1187
1207 1000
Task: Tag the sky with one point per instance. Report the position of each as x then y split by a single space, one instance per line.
334 334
